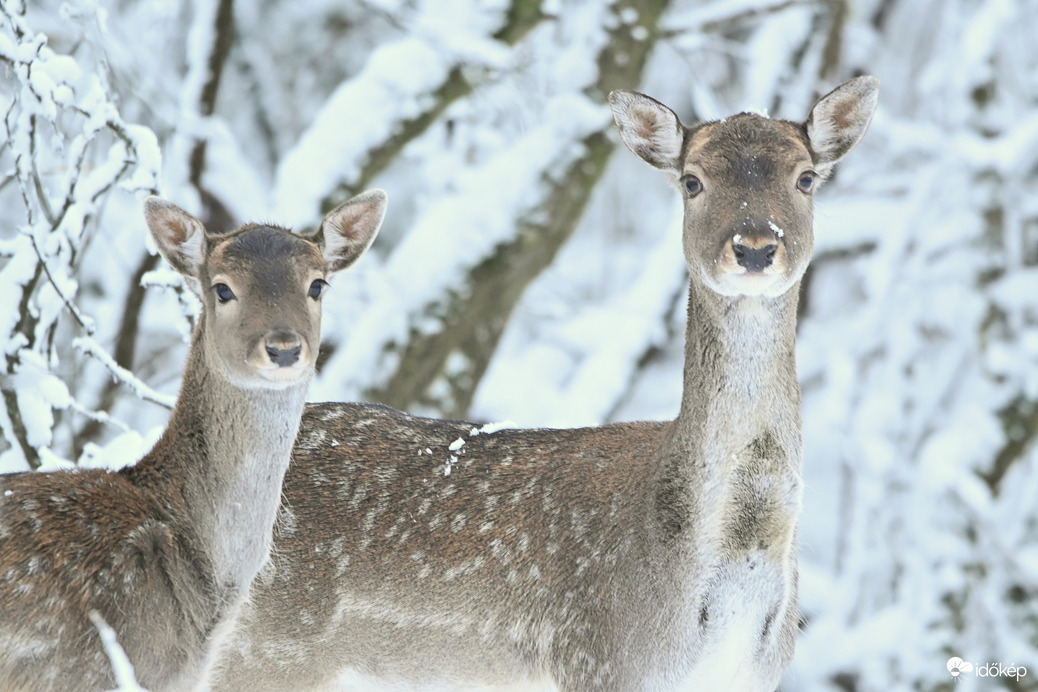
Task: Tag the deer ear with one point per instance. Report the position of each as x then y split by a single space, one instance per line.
840 118
179 236
349 229
649 129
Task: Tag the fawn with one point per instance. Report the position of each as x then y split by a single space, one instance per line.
419 553
164 550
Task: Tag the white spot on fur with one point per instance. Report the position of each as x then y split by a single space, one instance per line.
369 521
456 445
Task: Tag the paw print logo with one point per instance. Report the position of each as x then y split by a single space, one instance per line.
956 666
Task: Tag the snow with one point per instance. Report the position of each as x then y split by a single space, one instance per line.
393 87
123 450
508 185
449 465
491 428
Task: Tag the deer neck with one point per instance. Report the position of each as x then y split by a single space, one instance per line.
234 447
740 392
739 356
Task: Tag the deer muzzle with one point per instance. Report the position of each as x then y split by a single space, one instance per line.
283 355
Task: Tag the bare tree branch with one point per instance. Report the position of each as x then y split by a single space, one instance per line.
223 38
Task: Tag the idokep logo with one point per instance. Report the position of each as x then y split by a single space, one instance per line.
958 668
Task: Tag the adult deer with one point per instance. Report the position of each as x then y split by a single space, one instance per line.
164 551
637 556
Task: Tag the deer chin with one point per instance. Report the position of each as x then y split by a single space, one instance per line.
270 376
279 377
767 284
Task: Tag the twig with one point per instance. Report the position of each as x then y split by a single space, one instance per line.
92 348
85 322
98 416
121 666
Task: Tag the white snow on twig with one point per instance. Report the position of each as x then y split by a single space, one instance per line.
92 348
125 676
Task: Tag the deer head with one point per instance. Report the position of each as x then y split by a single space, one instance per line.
748 181
262 316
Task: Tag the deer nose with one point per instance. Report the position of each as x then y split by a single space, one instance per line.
754 259
283 348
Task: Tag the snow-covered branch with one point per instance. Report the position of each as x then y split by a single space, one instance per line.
142 390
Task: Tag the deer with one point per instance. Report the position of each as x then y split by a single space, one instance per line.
164 550
414 553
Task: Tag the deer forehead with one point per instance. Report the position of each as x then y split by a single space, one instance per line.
266 258
747 150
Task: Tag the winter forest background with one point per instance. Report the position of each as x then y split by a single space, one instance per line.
530 268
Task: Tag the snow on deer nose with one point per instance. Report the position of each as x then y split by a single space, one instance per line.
754 248
752 261
753 256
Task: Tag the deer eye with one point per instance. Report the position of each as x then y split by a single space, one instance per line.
224 294
693 185
317 288
806 182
